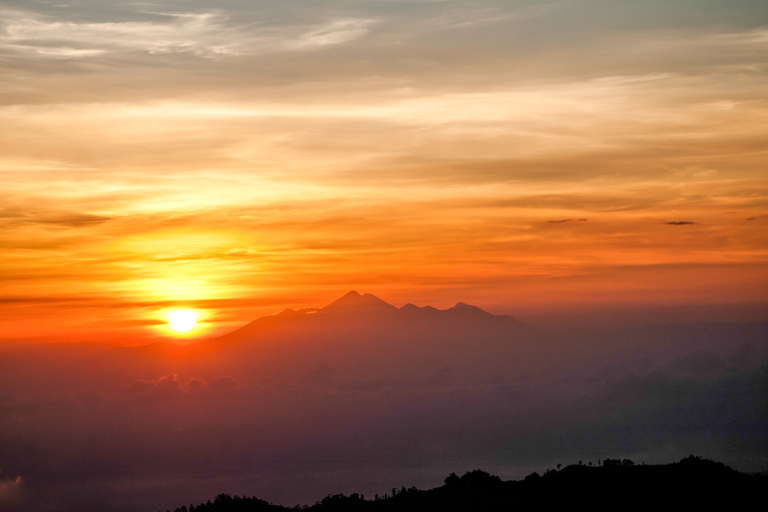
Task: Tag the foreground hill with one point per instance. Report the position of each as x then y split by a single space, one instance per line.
692 482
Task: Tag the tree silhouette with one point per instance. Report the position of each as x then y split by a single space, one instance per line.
679 485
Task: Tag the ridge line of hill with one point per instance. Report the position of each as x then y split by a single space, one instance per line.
692 482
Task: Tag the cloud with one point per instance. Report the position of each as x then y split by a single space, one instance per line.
171 388
654 415
6 481
335 32
205 34
9 489
22 215
216 386
76 220
565 220
679 223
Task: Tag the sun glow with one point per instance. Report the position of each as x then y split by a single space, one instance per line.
182 320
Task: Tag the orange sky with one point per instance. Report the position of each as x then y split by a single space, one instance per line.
521 156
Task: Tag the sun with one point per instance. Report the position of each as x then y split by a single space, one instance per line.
182 320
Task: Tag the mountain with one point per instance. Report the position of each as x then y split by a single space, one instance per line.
357 338
355 304
366 339
361 313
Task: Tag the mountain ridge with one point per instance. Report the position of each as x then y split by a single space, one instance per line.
357 335
602 488
366 310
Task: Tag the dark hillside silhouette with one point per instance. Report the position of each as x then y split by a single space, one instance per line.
692 482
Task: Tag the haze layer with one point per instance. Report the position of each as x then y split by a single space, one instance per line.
361 396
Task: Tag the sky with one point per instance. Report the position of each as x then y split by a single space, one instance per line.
595 168
243 157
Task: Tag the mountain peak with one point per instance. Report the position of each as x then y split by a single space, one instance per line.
414 309
464 308
353 302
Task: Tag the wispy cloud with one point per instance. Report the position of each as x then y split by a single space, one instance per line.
205 34
565 220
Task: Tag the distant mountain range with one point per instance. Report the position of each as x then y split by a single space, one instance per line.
693 483
357 313
359 336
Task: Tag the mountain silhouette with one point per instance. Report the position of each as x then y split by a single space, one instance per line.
359 337
362 338
355 304
361 313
